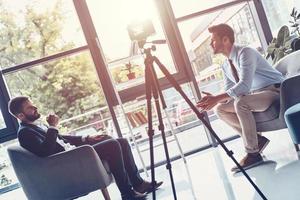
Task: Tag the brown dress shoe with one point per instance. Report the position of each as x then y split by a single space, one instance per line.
146 187
249 161
262 143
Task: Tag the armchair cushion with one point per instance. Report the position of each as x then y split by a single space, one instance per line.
271 113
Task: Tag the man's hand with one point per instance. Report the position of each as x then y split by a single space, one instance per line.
207 102
52 120
97 138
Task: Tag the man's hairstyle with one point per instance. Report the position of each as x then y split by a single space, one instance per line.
223 30
15 105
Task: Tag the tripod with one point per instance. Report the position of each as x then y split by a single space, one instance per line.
153 89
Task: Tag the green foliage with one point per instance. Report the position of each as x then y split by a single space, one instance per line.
68 86
4 181
295 21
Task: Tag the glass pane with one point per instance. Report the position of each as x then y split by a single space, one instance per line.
182 119
182 8
2 122
111 19
68 87
8 178
206 66
278 13
35 29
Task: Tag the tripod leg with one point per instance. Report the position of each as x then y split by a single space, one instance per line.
156 91
181 154
162 130
148 84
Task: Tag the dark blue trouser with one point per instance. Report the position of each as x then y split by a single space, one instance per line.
118 154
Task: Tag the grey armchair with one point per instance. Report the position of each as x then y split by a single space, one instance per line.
65 175
273 117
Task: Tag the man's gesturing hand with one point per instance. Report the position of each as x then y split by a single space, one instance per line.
52 120
207 102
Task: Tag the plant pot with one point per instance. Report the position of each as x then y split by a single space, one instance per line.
131 75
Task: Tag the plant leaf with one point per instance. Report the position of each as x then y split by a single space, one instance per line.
293 11
298 17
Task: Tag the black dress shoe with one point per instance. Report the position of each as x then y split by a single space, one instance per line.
146 187
133 195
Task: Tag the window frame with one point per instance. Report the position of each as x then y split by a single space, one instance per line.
10 131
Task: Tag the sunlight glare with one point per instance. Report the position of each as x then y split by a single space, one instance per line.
137 10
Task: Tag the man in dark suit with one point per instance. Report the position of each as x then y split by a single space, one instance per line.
45 140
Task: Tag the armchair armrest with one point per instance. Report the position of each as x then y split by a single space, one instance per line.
289 94
79 170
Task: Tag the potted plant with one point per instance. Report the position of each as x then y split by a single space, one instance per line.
130 73
295 22
286 41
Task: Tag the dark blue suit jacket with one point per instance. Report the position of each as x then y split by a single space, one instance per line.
43 143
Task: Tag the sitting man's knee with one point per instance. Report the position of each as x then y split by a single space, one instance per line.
239 102
123 141
113 142
219 108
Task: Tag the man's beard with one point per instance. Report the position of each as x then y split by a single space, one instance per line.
32 118
218 49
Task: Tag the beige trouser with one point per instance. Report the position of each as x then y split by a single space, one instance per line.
238 113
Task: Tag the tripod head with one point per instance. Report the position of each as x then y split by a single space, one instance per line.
153 46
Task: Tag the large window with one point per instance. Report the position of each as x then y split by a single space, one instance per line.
68 87
125 62
35 29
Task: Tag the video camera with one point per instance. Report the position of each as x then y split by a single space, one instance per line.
140 30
